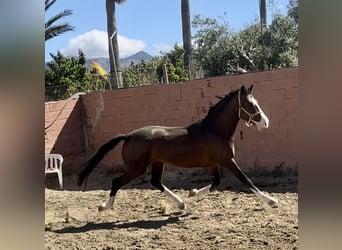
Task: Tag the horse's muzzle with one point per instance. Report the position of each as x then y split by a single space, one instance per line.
263 123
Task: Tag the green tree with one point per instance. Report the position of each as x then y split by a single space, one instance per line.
147 73
174 61
280 43
51 28
143 73
220 52
213 49
293 10
67 76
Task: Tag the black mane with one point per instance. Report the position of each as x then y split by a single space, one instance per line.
220 104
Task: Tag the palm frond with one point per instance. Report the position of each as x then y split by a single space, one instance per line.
56 30
120 1
48 4
57 17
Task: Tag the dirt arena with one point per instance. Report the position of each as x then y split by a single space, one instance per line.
143 218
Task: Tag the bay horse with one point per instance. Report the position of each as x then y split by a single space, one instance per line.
207 143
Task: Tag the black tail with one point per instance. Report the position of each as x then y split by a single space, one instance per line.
103 150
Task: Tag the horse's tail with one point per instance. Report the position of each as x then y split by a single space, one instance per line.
103 150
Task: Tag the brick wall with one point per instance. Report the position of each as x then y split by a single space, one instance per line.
108 113
65 135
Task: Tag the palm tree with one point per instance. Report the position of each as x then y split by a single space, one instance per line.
262 7
263 23
114 60
185 9
52 29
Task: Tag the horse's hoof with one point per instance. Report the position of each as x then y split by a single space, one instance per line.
102 208
182 206
272 202
192 192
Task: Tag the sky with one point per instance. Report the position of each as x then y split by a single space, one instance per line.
153 26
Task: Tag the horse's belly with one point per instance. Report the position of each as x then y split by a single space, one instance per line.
183 157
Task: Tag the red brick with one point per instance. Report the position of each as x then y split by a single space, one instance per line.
56 106
187 91
107 94
291 92
51 116
158 114
294 82
69 113
190 112
218 82
162 98
123 108
202 102
111 107
138 91
150 100
199 93
176 114
87 97
141 116
281 84
277 114
162 89
59 124
122 93
174 92
184 105
292 110
126 118
150 90
200 84
47 109
277 94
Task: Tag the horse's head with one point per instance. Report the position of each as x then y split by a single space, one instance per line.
249 109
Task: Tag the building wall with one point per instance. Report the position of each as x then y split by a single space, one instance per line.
65 134
108 113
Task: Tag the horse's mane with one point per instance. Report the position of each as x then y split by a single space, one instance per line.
220 104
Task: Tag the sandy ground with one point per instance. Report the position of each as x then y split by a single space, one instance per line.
143 218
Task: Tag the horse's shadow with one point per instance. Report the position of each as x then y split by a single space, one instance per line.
141 224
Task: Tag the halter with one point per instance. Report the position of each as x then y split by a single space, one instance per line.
251 116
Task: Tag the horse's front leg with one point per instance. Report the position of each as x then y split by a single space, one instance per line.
205 190
234 168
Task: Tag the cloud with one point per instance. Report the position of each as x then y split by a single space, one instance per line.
95 44
160 48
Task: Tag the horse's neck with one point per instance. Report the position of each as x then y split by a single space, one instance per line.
224 124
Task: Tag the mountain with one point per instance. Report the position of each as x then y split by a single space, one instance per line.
124 62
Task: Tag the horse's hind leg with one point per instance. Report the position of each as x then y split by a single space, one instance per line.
216 181
118 182
116 185
156 181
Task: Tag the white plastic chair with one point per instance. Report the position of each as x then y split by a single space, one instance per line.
53 164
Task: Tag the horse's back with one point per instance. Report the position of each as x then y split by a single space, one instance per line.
158 132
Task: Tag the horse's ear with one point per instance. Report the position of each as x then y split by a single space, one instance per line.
243 89
250 89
